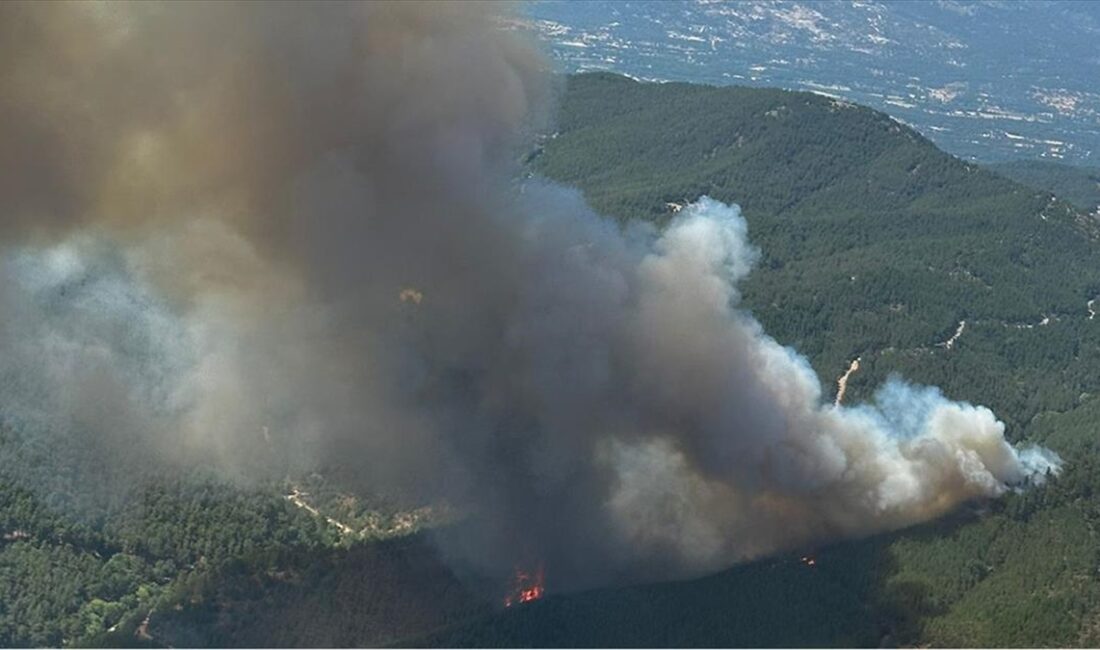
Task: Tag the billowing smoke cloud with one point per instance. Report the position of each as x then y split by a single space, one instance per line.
260 237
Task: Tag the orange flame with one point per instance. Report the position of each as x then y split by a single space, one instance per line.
526 587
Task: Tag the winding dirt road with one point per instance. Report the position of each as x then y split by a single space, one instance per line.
295 497
950 343
842 382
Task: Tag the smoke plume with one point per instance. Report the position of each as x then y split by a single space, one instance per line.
261 237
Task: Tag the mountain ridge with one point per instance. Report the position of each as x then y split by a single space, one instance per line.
862 258
1015 571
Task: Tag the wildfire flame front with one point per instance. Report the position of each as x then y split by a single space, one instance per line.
526 587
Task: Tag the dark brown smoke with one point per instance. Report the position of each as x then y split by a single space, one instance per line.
306 220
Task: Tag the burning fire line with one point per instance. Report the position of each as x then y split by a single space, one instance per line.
526 587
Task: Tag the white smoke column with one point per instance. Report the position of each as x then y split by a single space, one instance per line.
754 460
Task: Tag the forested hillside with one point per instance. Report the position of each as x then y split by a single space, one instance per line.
875 243
1078 185
168 558
876 246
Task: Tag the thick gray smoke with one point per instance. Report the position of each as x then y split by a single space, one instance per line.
263 236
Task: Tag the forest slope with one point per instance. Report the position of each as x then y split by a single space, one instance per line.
1078 185
876 245
873 239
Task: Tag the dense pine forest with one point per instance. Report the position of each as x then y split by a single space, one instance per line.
1078 185
875 245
